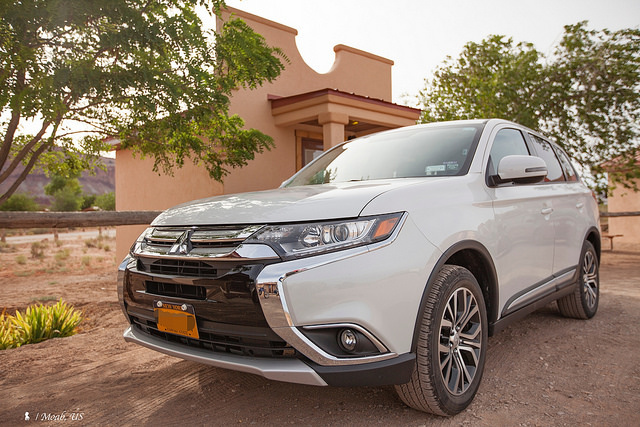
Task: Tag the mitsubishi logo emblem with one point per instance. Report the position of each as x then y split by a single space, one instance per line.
183 245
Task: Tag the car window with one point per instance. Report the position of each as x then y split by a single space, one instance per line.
507 142
569 171
422 151
545 151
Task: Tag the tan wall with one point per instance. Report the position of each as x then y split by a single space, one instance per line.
354 71
139 188
625 200
271 168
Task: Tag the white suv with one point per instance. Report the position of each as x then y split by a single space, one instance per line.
388 260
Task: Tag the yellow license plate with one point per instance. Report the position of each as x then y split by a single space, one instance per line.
179 319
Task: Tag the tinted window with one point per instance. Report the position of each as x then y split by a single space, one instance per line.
414 152
507 142
569 171
545 151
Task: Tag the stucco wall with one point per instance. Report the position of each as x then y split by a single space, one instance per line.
271 168
625 200
139 188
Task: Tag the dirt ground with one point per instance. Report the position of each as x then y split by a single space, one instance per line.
544 370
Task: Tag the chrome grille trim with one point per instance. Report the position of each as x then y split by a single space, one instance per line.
207 242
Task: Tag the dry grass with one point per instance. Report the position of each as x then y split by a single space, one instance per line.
49 257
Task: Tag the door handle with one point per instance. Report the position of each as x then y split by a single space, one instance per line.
546 211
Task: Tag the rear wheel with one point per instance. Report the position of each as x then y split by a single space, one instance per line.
451 345
583 302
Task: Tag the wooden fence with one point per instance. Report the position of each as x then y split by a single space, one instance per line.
618 214
75 219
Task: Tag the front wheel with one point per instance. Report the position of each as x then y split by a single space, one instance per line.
451 347
583 302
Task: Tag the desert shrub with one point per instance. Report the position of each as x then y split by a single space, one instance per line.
86 260
32 325
7 332
92 243
37 250
62 254
5 247
21 259
38 323
64 320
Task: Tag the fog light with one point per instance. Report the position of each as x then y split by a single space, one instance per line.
348 339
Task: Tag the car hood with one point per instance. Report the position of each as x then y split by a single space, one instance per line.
304 203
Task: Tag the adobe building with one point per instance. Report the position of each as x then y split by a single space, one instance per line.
624 200
304 111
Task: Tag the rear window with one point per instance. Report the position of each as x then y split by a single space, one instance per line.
569 171
545 151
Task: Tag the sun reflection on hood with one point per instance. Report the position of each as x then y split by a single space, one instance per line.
304 203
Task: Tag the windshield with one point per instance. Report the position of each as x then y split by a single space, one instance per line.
421 151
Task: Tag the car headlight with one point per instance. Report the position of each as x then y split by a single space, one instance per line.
300 240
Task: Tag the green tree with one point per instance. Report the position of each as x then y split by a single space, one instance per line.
66 200
66 192
106 201
88 200
594 99
20 202
146 72
586 95
494 78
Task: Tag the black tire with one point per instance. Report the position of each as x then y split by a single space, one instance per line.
583 302
449 362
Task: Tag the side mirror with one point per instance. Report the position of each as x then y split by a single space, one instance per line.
521 169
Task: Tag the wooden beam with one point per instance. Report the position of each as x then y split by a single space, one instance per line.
75 219
616 214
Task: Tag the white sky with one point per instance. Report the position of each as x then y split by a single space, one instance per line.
418 35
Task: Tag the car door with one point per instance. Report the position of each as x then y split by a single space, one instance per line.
569 199
524 246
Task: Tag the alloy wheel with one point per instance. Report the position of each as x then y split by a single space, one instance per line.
590 279
460 341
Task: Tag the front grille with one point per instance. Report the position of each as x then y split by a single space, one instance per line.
176 290
197 266
182 268
263 343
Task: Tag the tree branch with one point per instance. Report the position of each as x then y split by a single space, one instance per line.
25 150
26 171
13 124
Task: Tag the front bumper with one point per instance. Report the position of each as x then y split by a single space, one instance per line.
304 295
290 370
396 371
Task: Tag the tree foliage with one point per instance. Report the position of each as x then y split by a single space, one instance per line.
106 201
20 202
493 78
145 72
586 95
66 192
